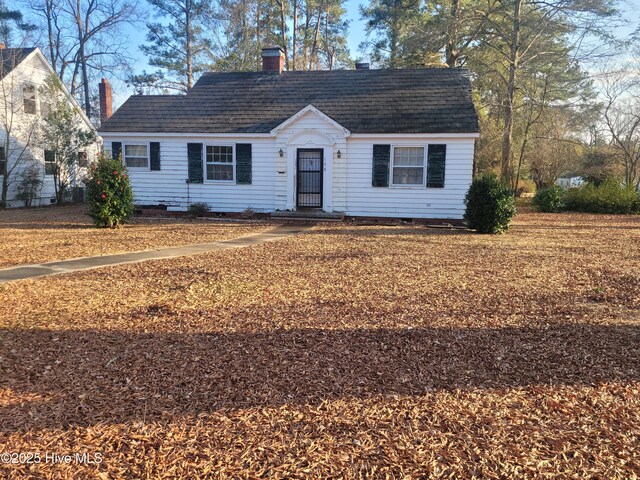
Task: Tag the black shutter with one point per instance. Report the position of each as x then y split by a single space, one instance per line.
243 163
116 150
194 154
436 166
154 155
381 158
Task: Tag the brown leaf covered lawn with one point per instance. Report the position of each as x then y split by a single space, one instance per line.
58 233
350 351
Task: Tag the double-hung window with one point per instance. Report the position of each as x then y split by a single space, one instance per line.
136 156
3 161
220 162
45 108
29 98
407 167
49 162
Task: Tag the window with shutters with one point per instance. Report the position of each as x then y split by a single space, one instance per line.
49 162
220 163
407 168
29 96
3 161
136 156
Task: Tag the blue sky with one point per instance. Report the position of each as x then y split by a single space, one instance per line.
137 38
355 37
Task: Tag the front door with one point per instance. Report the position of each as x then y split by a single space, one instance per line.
309 191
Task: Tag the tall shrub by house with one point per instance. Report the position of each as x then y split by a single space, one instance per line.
490 205
109 193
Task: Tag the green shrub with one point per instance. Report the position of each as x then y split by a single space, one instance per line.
29 185
608 197
490 205
550 199
109 193
198 209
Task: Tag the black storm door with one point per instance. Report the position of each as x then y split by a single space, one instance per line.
309 191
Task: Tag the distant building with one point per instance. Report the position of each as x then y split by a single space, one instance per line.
570 181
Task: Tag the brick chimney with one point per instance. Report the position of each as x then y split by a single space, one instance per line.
106 103
2 46
272 60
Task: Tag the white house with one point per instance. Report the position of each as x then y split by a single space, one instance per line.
570 181
23 72
389 143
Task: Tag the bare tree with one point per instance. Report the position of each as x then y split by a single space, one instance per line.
621 118
84 40
524 33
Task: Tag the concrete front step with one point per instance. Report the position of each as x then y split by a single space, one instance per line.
308 215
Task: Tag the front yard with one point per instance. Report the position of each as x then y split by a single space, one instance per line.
59 233
348 351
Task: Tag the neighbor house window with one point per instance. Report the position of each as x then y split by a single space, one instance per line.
219 160
29 94
3 161
408 166
49 162
83 159
45 108
136 156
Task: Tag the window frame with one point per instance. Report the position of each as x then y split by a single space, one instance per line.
35 98
424 167
44 160
233 164
4 159
136 144
41 110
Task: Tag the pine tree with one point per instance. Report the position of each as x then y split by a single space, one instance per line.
177 44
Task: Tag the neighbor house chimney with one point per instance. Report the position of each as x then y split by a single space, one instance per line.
2 46
272 60
106 104
362 66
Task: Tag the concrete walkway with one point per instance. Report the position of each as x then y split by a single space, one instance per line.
88 263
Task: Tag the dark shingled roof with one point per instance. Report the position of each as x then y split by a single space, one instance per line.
431 100
12 57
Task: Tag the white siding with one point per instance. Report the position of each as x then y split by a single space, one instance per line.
168 185
33 71
347 180
415 202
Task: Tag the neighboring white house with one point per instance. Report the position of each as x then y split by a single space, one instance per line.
570 181
389 143
23 72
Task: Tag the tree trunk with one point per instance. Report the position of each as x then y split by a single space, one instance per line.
258 39
82 59
49 13
451 52
314 46
5 189
307 24
295 34
188 44
5 172
283 29
507 134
